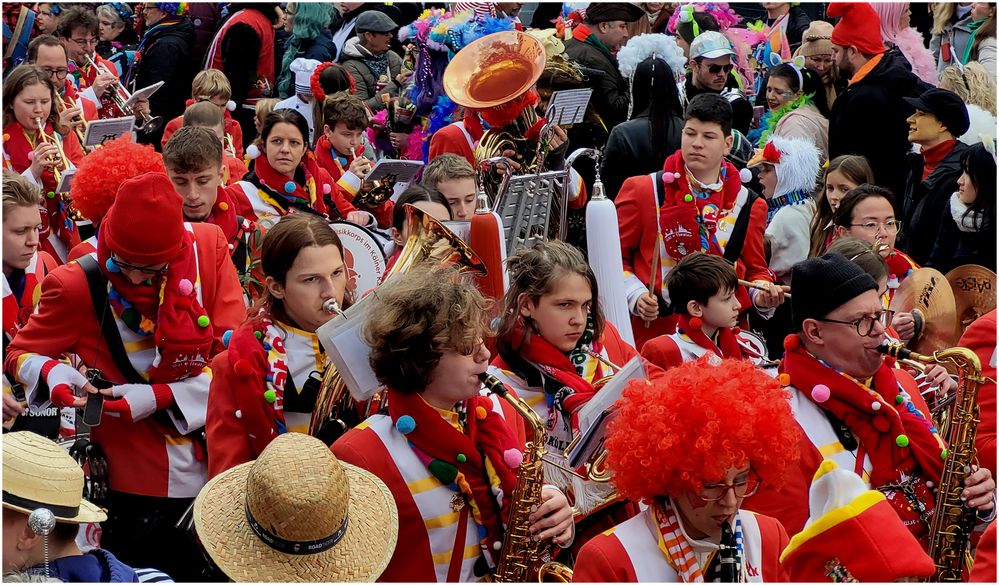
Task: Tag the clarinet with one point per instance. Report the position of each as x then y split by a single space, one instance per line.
728 555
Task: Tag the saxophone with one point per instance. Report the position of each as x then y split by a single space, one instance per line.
522 558
952 522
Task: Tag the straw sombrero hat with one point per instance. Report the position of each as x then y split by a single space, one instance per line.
259 521
37 473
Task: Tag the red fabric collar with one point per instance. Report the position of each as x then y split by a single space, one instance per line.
581 32
225 111
183 345
223 215
727 346
554 364
484 438
879 429
934 155
310 195
17 310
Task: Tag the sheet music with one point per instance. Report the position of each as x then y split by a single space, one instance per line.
143 93
64 182
568 106
100 130
596 413
346 349
404 170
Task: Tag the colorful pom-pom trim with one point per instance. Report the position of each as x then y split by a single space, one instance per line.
481 413
112 266
820 393
204 321
513 458
791 342
242 368
185 287
270 396
902 441
405 424
226 337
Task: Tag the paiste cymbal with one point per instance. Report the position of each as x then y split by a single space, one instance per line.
927 292
974 293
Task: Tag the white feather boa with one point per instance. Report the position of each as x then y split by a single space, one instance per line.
642 47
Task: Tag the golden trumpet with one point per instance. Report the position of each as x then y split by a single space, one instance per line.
59 161
229 146
80 130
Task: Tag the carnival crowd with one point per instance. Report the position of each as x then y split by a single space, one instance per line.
605 292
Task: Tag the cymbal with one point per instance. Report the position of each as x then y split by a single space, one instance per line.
974 293
929 296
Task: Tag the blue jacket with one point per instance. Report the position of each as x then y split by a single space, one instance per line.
97 566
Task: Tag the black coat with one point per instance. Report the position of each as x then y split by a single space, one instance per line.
742 110
167 57
610 97
926 202
630 152
954 247
869 119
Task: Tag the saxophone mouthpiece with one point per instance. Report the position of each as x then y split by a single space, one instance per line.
895 350
493 384
331 307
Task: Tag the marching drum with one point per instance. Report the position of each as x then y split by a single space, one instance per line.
363 255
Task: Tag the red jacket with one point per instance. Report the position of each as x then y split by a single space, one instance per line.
984 569
980 337
453 139
788 502
147 457
264 71
637 223
348 182
629 552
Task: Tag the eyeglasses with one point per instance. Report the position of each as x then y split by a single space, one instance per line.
713 492
143 269
92 41
60 73
716 69
865 324
891 226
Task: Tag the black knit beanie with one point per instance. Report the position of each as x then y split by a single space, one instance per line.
821 285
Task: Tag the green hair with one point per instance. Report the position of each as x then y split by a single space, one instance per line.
311 19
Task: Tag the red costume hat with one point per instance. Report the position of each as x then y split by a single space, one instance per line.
859 27
672 434
853 534
101 172
145 225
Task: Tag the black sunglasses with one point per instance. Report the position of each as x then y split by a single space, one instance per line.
716 69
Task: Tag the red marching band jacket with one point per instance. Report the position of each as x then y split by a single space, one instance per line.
153 456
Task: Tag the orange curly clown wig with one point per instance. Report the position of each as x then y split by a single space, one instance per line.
101 172
689 427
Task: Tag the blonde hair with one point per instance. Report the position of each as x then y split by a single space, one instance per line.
210 83
264 106
976 86
447 167
18 191
415 317
943 12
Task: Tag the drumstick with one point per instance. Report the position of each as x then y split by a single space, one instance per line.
748 284
652 277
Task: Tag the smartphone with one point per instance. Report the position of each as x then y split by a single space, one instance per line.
94 409
757 114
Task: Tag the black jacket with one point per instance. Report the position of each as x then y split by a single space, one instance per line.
954 247
869 119
926 202
630 152
797 23
610 97
167 57
742 110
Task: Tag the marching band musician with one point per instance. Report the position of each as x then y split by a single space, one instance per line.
980 337
340 149
553 346
24 267
206 115
49 53
167 291
267 380
868 212
29 96
427 200
98 177
447 454
853 407
193 160
702 288
697 203
682 443
286 177
92 74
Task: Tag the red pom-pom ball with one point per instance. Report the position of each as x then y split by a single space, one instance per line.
242 368
696 322
791 342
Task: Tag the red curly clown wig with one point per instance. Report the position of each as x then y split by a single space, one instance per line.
687 428
101 172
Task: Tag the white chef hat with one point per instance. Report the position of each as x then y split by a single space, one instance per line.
303 68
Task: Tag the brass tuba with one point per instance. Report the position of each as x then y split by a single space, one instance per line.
429 241
490 72
523 559
952 522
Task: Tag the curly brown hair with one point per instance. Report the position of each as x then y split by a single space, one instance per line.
415 317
